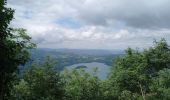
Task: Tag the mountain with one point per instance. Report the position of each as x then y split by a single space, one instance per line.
67 57
95 52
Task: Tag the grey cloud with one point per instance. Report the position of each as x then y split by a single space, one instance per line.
105 23
145 14
133 13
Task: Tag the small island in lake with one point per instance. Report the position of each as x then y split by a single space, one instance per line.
82 66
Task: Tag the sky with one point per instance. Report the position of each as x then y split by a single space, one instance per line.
93 24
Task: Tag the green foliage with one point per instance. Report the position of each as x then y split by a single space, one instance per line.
157 57
133 74
81 85
40 82
21 91
161 85
14 45
136 76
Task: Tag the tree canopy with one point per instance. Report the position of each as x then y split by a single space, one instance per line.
14 45
136 72
40 82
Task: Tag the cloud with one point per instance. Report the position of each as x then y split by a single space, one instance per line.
132 13
103 24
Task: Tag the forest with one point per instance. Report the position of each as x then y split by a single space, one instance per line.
137 75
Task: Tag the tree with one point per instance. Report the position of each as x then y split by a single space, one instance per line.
40 82
131 76
81 85
14 44
161 85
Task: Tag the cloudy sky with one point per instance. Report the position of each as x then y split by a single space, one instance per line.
93 24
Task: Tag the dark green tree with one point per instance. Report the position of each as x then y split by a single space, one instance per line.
132 75
161 86
14 44
81 85
40 82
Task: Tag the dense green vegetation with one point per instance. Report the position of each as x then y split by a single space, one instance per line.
135 76
14 44
141 75
40 82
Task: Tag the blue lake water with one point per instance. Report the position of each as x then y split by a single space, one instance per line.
102 69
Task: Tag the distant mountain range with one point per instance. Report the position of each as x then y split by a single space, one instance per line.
95 52
67 57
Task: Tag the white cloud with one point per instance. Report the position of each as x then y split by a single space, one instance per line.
104 24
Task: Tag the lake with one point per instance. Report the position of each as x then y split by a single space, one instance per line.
102 71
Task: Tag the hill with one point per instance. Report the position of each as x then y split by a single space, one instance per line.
67 57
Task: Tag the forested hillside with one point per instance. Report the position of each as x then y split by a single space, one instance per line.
67 57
